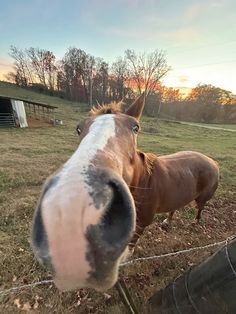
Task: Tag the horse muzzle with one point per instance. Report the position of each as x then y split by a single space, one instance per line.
82 227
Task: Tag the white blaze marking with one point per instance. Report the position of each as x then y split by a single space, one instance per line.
102 128
72 174
98 135
68 209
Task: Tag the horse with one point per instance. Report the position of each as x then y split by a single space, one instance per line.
166 183
100 201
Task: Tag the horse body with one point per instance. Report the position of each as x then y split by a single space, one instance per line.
189 176
166 183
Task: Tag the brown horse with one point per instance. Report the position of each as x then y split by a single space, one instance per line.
86 214
170 182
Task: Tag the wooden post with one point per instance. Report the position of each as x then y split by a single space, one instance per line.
126 297
35 112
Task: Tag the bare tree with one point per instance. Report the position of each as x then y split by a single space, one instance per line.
73 65
82 77
43 65
90 73
76 74
34 65
147 69
120 76
11 77
23 72
101 80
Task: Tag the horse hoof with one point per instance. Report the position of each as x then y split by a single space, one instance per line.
165 225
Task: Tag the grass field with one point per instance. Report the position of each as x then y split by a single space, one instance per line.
28 156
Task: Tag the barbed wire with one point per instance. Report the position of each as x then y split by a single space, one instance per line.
30 285
140 259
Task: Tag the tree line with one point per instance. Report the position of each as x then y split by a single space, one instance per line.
205 103
80 76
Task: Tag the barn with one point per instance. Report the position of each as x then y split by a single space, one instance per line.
18 112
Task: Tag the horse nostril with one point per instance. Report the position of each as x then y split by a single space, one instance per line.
39 236
117 221
39 240
109 238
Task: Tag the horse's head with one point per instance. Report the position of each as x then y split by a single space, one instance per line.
85 217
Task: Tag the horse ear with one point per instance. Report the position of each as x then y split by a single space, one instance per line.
136 109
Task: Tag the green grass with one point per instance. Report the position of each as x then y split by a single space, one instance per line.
8 89
170 137
28 156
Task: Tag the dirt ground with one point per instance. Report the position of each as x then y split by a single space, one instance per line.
36 123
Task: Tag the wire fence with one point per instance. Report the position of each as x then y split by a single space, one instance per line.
30 285
140 259
148 258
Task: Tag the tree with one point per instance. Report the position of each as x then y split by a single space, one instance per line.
73 67
43 65
101 80
23 73
90 72
205 93
146 69
76 71
206 101
33 66
11 77
119 77
169 94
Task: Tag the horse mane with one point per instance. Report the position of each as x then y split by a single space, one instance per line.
148 160
112 108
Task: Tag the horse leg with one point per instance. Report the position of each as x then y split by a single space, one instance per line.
200 207
202 199
171 214
138 232
167 222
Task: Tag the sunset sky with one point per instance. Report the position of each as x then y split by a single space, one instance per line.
198 36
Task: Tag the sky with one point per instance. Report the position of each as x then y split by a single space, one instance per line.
199 37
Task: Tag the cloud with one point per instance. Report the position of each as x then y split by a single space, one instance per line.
183 79
184 34
154 23
219 3
151 32
196 10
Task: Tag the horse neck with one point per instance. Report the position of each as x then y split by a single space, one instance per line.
143 169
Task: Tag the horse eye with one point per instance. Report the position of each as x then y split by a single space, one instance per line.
136 128
78 130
